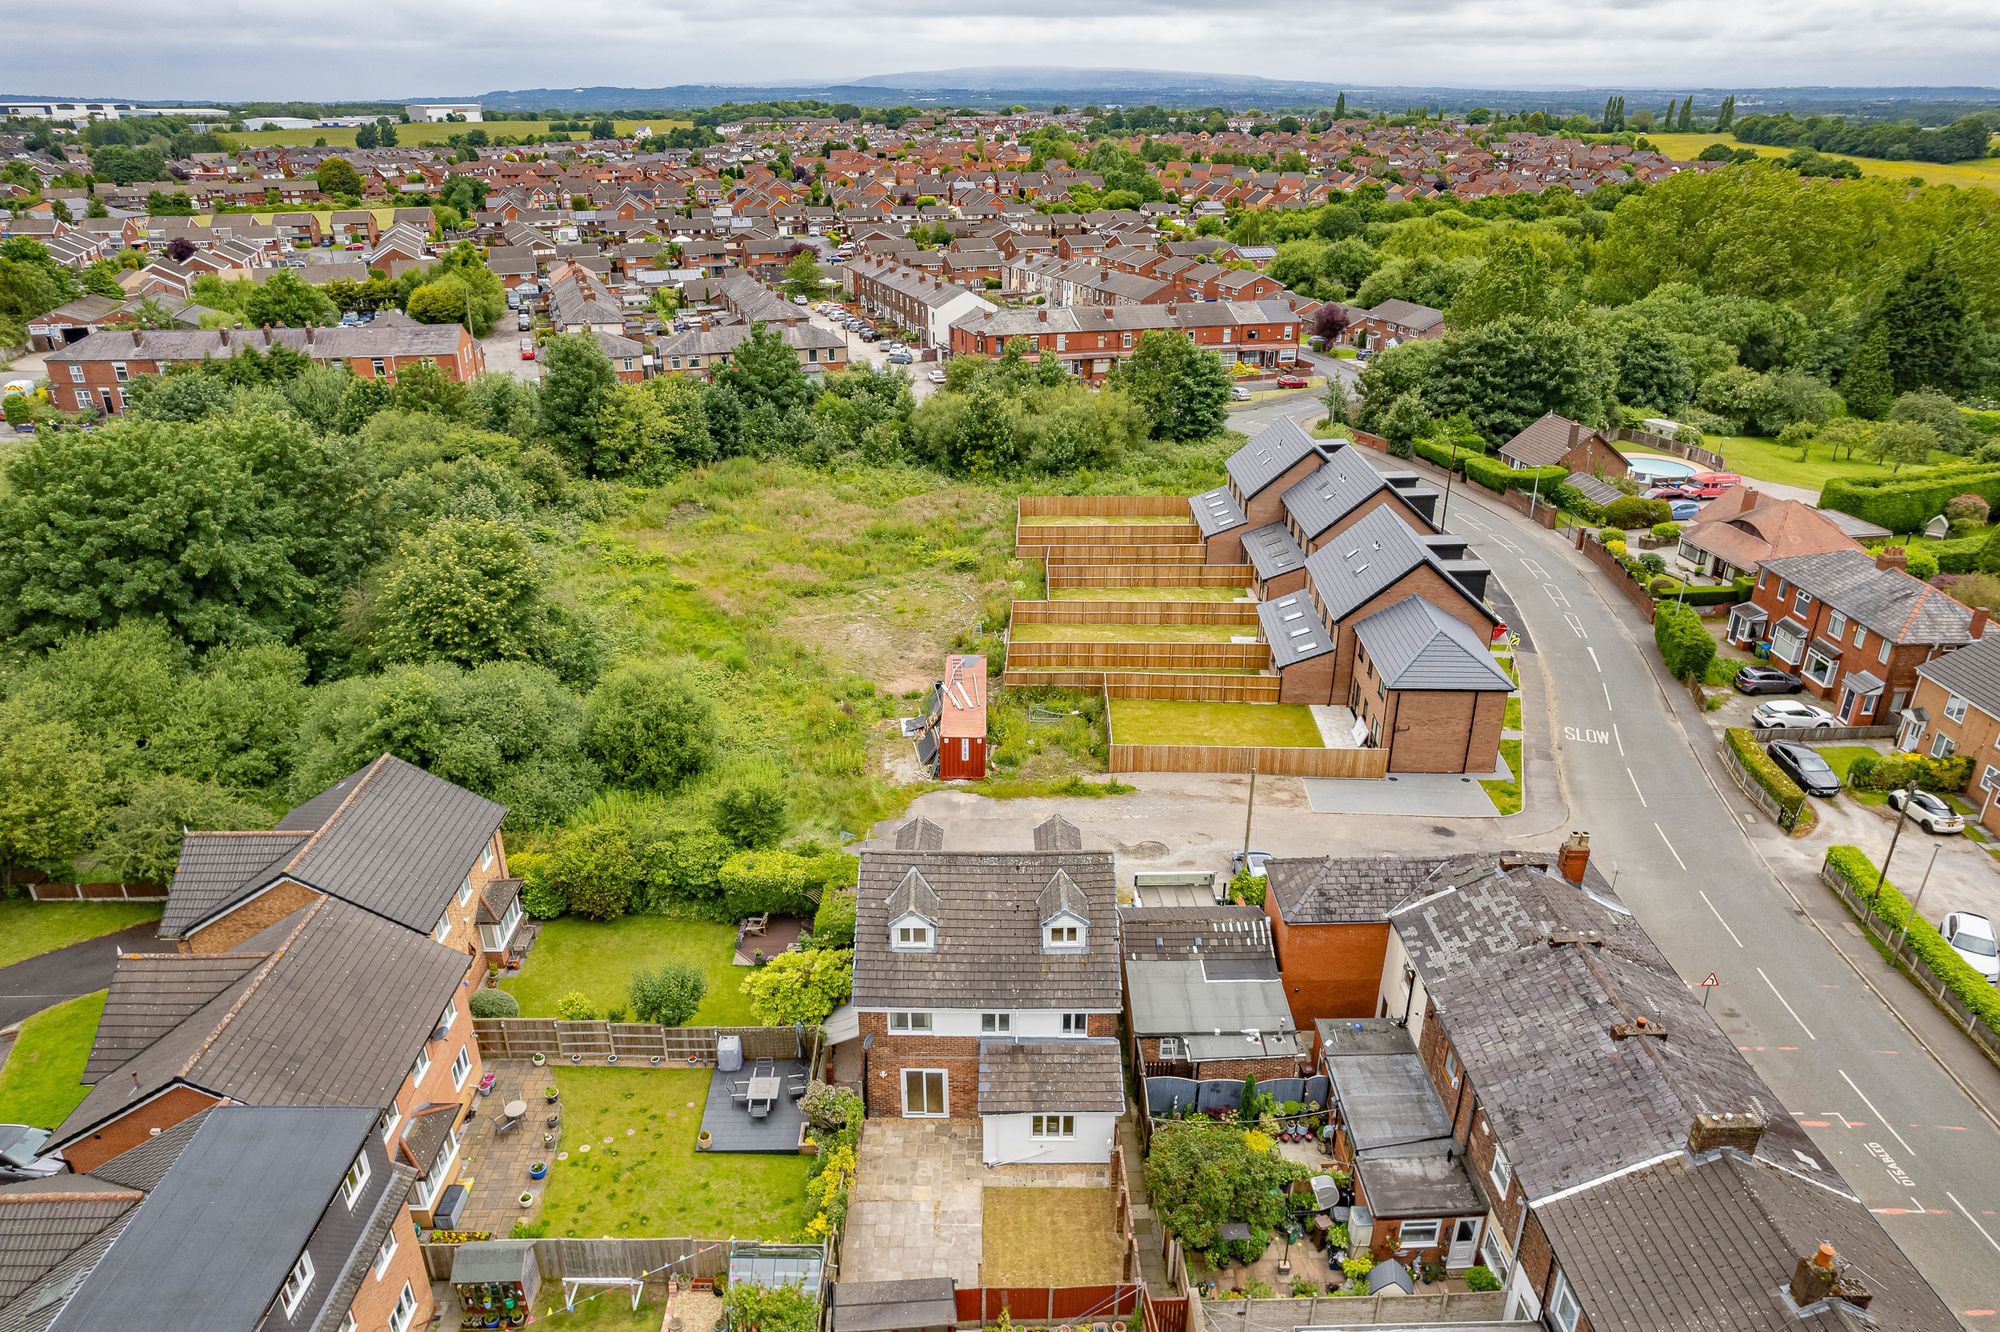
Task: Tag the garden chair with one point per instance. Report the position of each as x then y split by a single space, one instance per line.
754 926
761 1110
795 1086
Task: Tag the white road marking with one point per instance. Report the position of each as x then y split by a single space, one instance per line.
1973 1219
1607 693
1621 742
1575 625
1873 1111
1717 914
1555 594
1670 846
1594 661
1802 1025
1635 782
1534 568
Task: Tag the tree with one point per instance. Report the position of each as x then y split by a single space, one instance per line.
1868 386
385 131
649 727
802 276
602 128
1941 414
31 283
766 370
1901 442
1650 369
1684 642
750 810
1204 1175
53 792
142 838
667 994
577 381
1503 376
1514 280
1932 322
365 136
441 302
801 987
1182 389
644 431
337 176
287 301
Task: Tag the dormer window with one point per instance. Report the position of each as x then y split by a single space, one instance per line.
914 936
1065 915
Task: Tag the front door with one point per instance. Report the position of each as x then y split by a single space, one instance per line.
924 1093
1464 1243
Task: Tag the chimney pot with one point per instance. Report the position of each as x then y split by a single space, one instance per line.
1892 557
1574 857
1712 1132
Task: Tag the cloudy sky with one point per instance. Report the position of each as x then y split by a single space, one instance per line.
244 49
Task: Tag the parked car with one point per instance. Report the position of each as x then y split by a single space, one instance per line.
20 1159
1803 765
1767 680
1674 491
1239 394
527 349
800 300
1721 480
1292 381
1971 937
936 376
899 358
1683 510
524 321
1790 712
1254 861
1929 810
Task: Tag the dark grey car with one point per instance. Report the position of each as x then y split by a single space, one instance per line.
1804 766
1767 680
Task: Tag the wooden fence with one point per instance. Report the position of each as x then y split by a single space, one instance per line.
1164 685
1140 656
1193 556
1101 506
1271 761
1030 539
635 1043
1084 1305
98 892
1424 1308
1135 612
1149 575
696 1259
1823 734
1694 453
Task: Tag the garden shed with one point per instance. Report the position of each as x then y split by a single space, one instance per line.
495 1279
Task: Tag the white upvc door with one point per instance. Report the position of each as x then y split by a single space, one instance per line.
1464 1243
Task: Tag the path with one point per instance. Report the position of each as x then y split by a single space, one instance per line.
29 986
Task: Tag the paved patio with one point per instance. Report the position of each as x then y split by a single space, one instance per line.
729 1125
915 1210
494 1169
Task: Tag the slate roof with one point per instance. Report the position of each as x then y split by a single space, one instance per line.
1338 890
1216 511
219 868
919 834
989 937
1292 627
1369 558
496 897
1054 833
1180 932
1272 550
1061 897
1271 452
1888 602
1546 441
1072 1076
42 1222
1335 487
1972 672
1408 314
1415 645
151 994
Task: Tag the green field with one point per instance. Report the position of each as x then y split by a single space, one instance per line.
411 135
41 1081
1763 460
29 929
1145 721
597 959
1686 147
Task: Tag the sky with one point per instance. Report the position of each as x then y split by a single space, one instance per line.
260 49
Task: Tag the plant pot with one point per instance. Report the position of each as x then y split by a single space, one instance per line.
702 1143
538 1059
551 1094
611 1059
538 1170
656 1061
576 1059
527 1199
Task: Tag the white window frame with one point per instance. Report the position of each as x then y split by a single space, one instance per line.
1860 636
996 1024
1076 1024
1828 667
297 1282
911 939
391 1118
461 1068
355 1180
1836 625
445 1019
1802 601
1052 1127
1883 655
76 372
486 857
1452 1072
909 1022
1062 936
1564 1313
1170 1047
405 1310
1954 708
442 930
384 1255
944 1081
1405 1241
465 890
347 1323
1501 1172
1941 746
421 1067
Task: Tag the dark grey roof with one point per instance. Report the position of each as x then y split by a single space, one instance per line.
890 1306
1272 550
989 938
1271 453
1368 559
1972 672
1595 489
1216 511
1415 645
1055 833
1073 1076
1362 1036
1330 890
1332 490
1387 1100
1292 627
244 1196
1407 313
152 993
145 1165
1187 997
219 868
42 1222
914 896
1889 602
360 1233
496 898
1626 1251
919 834
1423 1179
1180 932
1060 897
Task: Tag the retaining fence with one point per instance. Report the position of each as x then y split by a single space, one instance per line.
1139 656
1061 574
1133 554
1030 539
1270 761
1165 685
1421 1309
1134 612
98 892
1823 734
635 1043
1983 1037
1101 506
1048 1304
1694 453
1758 796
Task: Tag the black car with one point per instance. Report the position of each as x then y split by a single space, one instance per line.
1804 766
1767 680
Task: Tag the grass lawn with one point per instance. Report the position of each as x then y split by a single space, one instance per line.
599 957
1038 1237
1841 757
608 1310
411 135
1760 458
1148 594
1506 796
1131 633
1685 147
1512 721
642 1174
38 1083
29 929
1145 721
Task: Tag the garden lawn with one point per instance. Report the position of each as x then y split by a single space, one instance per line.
598 958
1132 633
29 929
1148 594
1048 1237
1506 796
39 1082
1763 460
1840 758
1144 721
642 1175
1512 720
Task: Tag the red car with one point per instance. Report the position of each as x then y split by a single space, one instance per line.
1291 381
527 349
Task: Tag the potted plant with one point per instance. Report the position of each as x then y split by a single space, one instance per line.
527 1198
538 1169
538 1059
702 1143
550 1093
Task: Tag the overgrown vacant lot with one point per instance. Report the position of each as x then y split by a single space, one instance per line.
1140 721
1053 1236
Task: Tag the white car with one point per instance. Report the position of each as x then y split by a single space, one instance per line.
936 376
1971 937
1929 810
1790 712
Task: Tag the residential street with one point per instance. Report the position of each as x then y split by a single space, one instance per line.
29 986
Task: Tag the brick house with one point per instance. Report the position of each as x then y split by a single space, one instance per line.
1390 323
1742 528
706 350
1956 710
1427 689
275 1218
1854 628
1557 441
1257 478
1089 340
925 303
973 969
1202 994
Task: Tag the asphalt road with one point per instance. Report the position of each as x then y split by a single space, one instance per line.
31 985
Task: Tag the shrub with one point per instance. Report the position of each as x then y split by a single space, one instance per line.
649 727
750 811
1971 510
685 865
1496 475
783 883
1896 771
1683 640
1666 531
800 987
1617 547
596 869
1921 563
1247 888
539 898
1791 800
667 994
833 923
1630 511
1660 587
1893 909
575 1007
486 1003
1906 503
1653 562
1481 1277
830 1109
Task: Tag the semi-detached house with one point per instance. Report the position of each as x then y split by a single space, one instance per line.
1956 710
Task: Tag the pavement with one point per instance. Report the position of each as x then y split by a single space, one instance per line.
29 986
503 351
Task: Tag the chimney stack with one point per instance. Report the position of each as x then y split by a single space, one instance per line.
1714 1132
1980 618
1893 557
1042 314
1813 1279
1574 857
1575 433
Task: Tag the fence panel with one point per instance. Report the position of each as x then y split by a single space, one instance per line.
1134 612
1029 541
1823 734
1165 685
1149 575
557 1258
1270 761
97 892
1139 656
1102 506
1141 555
1694 453
634 1042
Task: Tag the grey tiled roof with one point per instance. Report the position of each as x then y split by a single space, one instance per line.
1331 492
919 834
989 937
143 1166
1270 453
1367 559
219 868
1292 627
43 1221
151 994
1414 645
1972 672
1055 833
914 896
1060 896
495 897
1545 441
1333 890
1272 551
1888 602
1179 932
1027 1077
1216 511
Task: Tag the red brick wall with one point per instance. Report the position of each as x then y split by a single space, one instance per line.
1423 581
1899 674
1331 971
123 1134
957 1055
377 1297
1310 681
1435 731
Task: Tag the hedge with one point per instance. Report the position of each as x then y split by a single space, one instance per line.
1717 596
1892 909
1892 772
1905 504
1791 799
782 883
1441 455
1499 476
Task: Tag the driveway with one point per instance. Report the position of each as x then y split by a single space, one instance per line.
874 355
27 987
503 351
915 1206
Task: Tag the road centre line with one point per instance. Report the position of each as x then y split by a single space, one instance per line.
1608 704
1803 1027
1635 780
1973 1219
1879 1118
1594 661
1713 912
1670 846
1614 736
